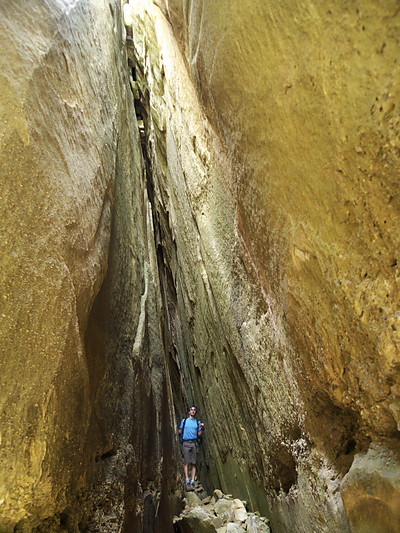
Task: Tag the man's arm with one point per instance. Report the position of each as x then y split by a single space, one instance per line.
201 430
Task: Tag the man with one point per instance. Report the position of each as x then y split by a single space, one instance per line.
190 429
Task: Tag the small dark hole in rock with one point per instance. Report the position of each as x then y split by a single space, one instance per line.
65 520
108 454
105 455
351 445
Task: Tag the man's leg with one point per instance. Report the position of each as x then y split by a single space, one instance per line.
185 463
193 472
186 471
194 466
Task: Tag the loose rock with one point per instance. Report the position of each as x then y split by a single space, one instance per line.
234 528
219 514
192 499
223 508
218 494
197 520
254 524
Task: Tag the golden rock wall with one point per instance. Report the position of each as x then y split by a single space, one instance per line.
83 379
248 263
277 182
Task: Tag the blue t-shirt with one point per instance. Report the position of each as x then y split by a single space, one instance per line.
192 426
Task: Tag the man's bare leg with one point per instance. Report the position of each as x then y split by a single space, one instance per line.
193 472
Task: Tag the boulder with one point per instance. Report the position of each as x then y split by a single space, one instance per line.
223 509
218 522
197 520
193 500
254 524
239 511
218 494
231 527
371 491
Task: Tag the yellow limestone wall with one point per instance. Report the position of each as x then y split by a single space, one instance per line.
273 135
82 371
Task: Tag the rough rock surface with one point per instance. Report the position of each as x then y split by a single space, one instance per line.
248 263
272 141
370 491
83 379
219 514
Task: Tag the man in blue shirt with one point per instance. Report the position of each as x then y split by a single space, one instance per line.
190 429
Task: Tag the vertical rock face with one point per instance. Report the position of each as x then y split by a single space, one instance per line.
83 383
273 144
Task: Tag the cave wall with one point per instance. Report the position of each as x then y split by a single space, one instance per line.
247 263
86 417
272 137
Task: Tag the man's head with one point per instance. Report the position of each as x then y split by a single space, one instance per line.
192 411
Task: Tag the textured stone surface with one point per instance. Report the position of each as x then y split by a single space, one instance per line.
218 515
224 509
192 499
370 491
196 520
270 296
82 367
234 528
277 211
58 169
255 525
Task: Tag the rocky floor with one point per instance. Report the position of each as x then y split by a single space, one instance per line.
221 513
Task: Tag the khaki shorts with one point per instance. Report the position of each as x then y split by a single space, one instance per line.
189 449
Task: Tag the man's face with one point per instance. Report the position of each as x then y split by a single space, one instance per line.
192 411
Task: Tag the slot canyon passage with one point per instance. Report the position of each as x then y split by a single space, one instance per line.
199 204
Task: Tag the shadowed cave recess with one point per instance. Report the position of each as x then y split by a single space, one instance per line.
200 206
